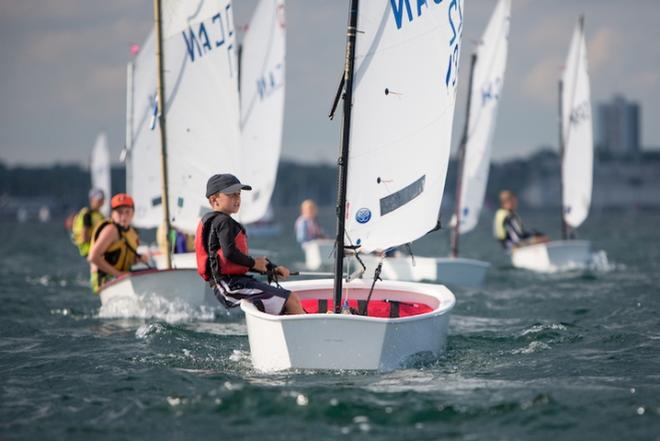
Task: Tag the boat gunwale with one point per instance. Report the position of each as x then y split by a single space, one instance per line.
141 273
553 244
445 302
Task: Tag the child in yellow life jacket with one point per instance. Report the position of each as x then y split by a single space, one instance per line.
509 229
114 243
222 254
86 221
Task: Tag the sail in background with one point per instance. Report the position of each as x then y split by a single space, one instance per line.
577 160
487 81
202 104
407 57
262 106
143 180
100 170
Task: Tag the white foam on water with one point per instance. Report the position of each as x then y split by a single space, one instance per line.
155 307
539 328
533 347
601 264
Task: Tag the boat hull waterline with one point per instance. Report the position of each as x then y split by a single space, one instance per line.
128 295
554 256
346 341
453 271
318 253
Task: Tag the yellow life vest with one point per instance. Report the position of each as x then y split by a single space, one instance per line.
121 254
78 229
499 230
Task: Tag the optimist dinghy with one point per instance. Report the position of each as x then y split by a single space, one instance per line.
576 149
198 88
262 81
399 92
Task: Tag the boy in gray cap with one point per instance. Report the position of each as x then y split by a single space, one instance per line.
222 254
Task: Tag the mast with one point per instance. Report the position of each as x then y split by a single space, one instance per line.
564 227
461 164
343 159
158 18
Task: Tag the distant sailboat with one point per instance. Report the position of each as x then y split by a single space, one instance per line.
576 150
399 91
487 69
100 170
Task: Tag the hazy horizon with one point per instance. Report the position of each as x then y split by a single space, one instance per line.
65 63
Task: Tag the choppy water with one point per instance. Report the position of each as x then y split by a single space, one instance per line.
530 357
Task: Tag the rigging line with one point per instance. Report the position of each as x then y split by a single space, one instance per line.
364 310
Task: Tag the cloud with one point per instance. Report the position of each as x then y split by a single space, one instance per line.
603 46
546 33
645 81
540 84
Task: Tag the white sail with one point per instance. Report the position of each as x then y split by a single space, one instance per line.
407 55
262 106
577 132
202 108
100 170
143 180
487 81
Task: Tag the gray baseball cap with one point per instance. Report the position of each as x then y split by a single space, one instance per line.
224 183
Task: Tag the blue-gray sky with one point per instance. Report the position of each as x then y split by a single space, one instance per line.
64 62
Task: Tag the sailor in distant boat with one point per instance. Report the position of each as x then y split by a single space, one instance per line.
87 219
307 225
179 242
221 245
508 227
114 243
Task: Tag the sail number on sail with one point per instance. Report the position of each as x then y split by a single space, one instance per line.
455 17
491 91
209 35
270 81
579 113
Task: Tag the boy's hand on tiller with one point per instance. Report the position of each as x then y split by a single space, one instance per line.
283 272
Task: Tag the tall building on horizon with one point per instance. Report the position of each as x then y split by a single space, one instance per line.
618 126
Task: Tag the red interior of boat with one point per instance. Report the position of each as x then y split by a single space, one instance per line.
377 308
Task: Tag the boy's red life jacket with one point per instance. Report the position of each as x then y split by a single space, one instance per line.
227 267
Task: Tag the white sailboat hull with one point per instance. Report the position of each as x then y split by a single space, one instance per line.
338 341
457 271
555 256
179 261
318 253
183 287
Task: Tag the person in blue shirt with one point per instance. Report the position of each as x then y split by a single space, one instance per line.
307 226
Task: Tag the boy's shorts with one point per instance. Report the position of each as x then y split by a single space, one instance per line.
267 298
